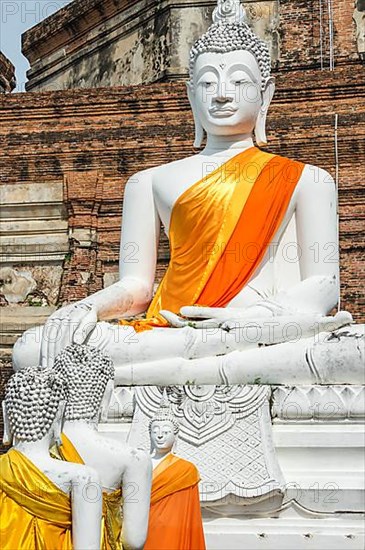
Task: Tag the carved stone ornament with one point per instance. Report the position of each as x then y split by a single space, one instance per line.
321 403
226 432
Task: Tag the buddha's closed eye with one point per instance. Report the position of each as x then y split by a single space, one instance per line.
208 84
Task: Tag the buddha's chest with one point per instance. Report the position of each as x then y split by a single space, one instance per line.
170 184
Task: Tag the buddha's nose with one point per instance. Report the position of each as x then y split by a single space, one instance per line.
222 96
222 99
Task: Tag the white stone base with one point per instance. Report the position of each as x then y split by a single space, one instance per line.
322 463
288 532
323 466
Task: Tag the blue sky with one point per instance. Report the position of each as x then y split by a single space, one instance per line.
17 16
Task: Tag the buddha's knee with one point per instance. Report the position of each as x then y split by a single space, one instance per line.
26 350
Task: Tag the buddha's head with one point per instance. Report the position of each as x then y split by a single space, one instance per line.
230 87
34 405
163 429
89 375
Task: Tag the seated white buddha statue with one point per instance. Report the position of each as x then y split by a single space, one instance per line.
123 471
42 500
253 242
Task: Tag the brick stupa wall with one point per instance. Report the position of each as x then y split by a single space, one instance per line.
90 142
7 75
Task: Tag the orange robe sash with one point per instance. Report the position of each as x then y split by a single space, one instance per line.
220 229
112 514
175 521
35 513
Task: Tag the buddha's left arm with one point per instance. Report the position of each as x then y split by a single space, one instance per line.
136 487
317 234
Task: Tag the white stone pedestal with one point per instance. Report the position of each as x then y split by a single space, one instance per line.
319 440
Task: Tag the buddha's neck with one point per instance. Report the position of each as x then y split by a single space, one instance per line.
158 454
224 145
34 448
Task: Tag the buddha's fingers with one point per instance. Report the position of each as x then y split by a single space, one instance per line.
173 319
206 323
49 338
86 325
44 350
60 339
179 322
67 324
222 313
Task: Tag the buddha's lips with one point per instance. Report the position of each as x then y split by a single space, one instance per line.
222 110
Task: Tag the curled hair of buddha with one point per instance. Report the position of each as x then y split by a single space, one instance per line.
164 414
86 371
230 32
32 397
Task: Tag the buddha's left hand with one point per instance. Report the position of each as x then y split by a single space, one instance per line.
214 317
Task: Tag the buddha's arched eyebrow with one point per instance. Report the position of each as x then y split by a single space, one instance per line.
244 68
206 69
234 67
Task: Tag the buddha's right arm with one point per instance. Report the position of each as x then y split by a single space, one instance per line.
86 508
132 294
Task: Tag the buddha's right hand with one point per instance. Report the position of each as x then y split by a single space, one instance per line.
70 324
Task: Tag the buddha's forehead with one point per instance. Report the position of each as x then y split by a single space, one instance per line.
162 424
237 59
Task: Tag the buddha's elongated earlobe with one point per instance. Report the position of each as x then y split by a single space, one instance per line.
260 127
8 436
57 425
199 130
105 403
174 447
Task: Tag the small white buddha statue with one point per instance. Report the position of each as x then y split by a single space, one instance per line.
164 429
123 471
43 499
233 215
175 517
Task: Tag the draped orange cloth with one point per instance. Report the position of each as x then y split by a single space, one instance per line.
220 229
175 521
112 502
35 513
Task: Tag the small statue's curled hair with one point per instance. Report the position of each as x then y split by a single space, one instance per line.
32 398
87 372
164 414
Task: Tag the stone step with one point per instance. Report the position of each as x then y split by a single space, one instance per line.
14 320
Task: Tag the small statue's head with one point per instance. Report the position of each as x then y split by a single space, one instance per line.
89 375
230 87
34 405
163 428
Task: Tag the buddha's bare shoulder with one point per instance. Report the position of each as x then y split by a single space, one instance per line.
69 472
167 169
315 179
121 454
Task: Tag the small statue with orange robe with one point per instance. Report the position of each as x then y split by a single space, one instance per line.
42 500
175 521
